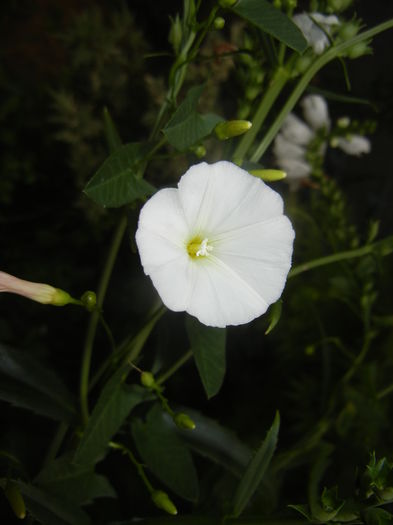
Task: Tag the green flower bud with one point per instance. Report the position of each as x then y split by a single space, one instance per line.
291 4
162 501
277 4
302 63
252 92
227 3
15 499
89 300
219 23
183 421
61 298
338 5
343 122
147 379
269 175
348 30
232 128
175 34
200 151
358 50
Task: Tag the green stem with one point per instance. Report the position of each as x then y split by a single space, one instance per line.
95 316
330 259
56 443
277 83
139 466
386 391
332 53
359 358
174 368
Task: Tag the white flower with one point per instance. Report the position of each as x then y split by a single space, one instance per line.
353 145
316 112
315 36
40 292
296 131
218 246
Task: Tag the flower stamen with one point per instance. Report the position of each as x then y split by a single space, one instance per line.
199 248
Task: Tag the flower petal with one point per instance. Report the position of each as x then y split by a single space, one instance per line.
260 255
221 196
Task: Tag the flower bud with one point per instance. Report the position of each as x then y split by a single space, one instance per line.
219 23
15 499
183 421
227 3
358 50
302 63
162 501
147 379
348 30
200 151
42 293
291 4
338 5
277 4
232 128
175 34
269 175
343 122
89 301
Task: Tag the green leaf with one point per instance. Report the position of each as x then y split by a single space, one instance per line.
165 453
116 182
217 443
113 406
33 386
274 315
112 136
51 510
76 483
208 347
375 516
272 21
187 127
256 469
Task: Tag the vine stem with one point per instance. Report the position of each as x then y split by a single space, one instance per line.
335 257
277 83
95 316
332 53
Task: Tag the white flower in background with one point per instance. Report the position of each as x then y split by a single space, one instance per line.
353 145
316 111
218 246
315 28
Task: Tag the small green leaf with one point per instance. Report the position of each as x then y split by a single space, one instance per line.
208 347
274 315
166 455
51 510
113 406
78 484
187 126
272 21
112 136
116 182
256 469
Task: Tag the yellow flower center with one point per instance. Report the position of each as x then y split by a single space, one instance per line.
198 247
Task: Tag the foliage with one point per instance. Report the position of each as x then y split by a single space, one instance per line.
119 411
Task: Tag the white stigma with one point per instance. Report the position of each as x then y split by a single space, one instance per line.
204 249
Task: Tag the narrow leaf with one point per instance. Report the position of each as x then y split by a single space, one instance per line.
36 380
113 406
187 126
272 21
208 347
112 136
256 469
165 453
51 510
274 315
116 182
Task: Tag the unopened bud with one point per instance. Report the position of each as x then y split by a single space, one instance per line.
277 4
348 30
269 175
15 499
147 379
291 4
162 501
343 122
358 50
89 301
227 3
219 23
302 63
338 5
175 34
183 421
232 128
200 151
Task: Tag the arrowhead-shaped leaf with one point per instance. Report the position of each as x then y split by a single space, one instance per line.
116 182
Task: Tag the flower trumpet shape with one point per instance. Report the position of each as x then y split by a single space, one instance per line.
218 246
42 293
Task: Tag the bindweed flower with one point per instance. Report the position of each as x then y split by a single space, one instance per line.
218 246
42 293
315 28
